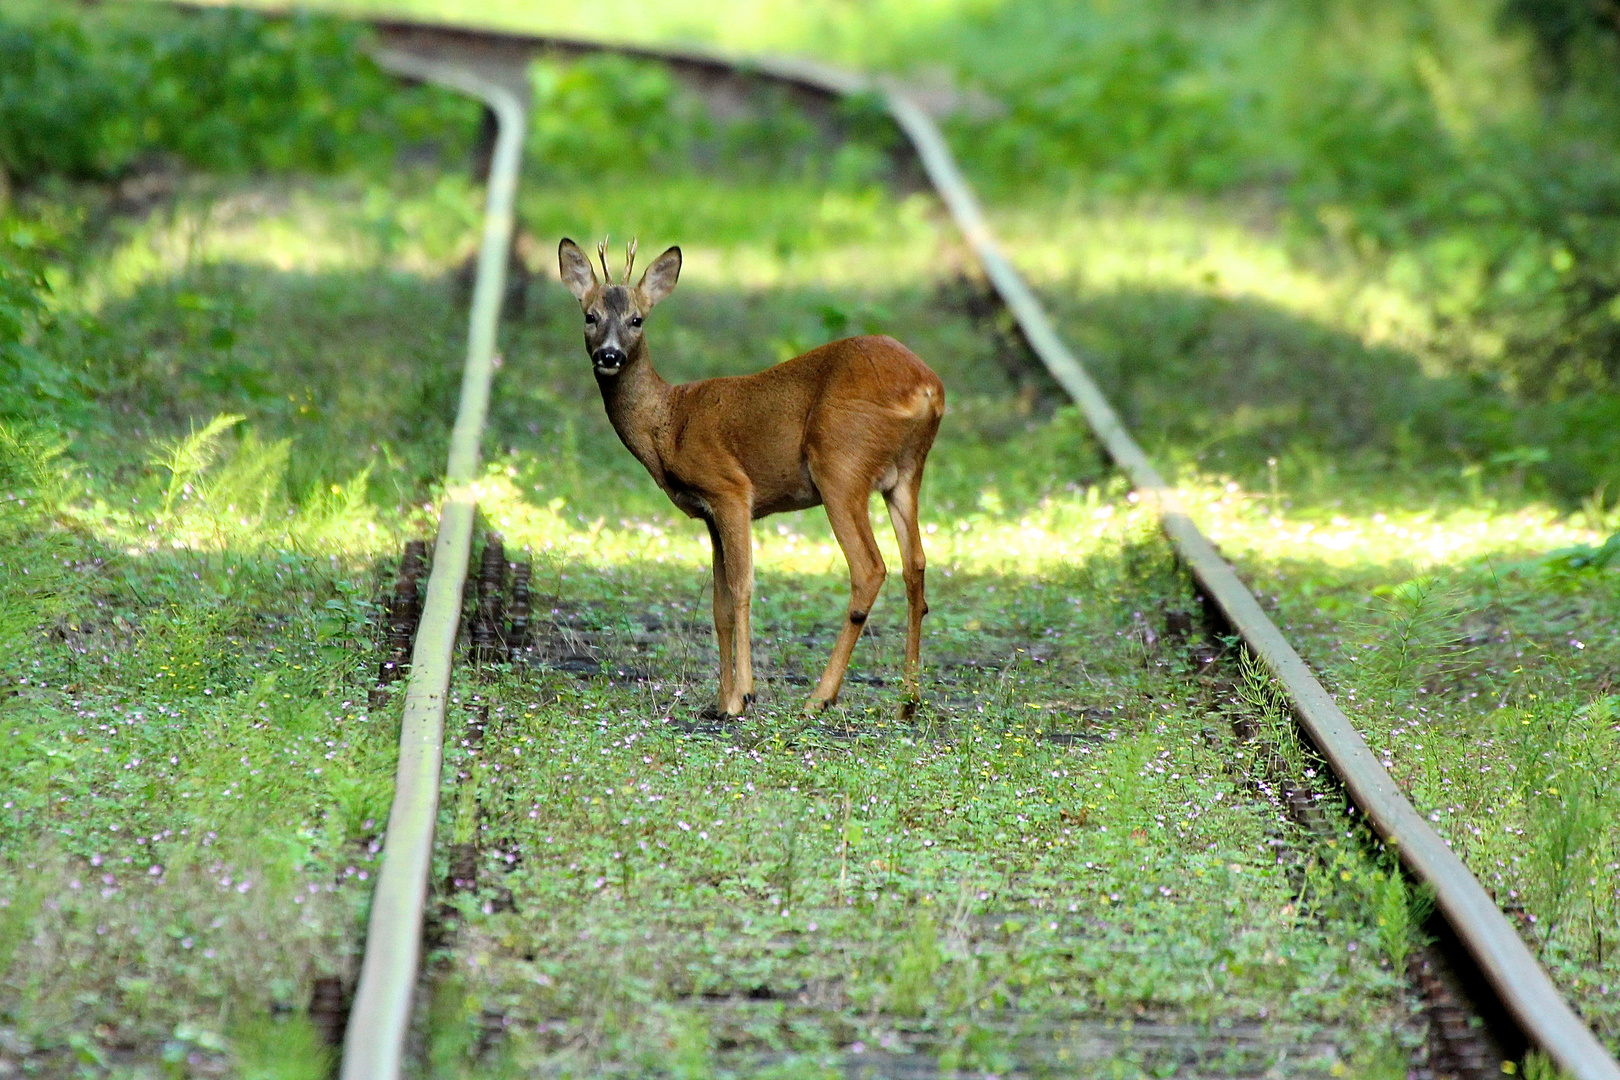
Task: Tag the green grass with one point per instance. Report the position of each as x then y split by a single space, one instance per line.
226 612
1070 833
183 618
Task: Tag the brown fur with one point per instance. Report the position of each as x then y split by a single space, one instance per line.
826 428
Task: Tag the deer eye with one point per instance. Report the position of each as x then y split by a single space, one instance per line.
635 320
591 319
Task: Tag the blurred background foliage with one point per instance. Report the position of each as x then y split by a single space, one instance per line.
87 92
1463 152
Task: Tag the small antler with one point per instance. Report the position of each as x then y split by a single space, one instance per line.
601 253
629 259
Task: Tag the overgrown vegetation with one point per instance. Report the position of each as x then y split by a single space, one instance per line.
1354 299
191 805
89 92
1455 156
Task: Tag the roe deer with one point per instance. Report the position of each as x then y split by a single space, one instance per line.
829 427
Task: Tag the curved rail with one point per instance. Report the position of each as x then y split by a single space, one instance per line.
374 1044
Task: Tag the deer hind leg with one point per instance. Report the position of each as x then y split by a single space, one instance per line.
736 571
725 616
902 500
847 511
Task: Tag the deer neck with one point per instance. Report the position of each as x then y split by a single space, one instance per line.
638 403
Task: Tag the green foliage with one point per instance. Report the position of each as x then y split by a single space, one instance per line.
32 486
1538 1065
607 114
37 381
185 458
1126 101
911 988
1414 637
280 1048
691 1046
86 93
618 116
1568 770
452 1029
1587 556
1385 128
1561 27
35 485
91 92
1399 913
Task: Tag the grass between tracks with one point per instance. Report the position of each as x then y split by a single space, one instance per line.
1070 834
195 792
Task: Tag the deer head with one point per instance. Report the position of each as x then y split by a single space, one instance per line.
614 313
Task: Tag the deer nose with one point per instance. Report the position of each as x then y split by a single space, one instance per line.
608 359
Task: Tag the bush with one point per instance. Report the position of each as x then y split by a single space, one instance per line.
614 115
85 94
36 382
1121 102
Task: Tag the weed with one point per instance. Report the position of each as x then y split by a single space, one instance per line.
1417 632
689 1046
911 987
1400 914
280 1048
1274 719
1539 1066
186 458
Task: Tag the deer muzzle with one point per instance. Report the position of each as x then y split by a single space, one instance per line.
608 361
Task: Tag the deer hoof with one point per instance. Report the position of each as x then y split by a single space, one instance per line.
748 699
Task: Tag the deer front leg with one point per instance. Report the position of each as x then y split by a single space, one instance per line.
736 570
725 618
848 514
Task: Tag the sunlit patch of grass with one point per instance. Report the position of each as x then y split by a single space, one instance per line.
1219 249
1350 530
416 223
744 234
1058 532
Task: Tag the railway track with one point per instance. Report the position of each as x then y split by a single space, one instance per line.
1481 970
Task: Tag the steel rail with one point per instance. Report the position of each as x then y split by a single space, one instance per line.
1518 979
374 1042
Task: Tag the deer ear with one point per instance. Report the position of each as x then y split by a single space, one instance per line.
659 280
576 269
